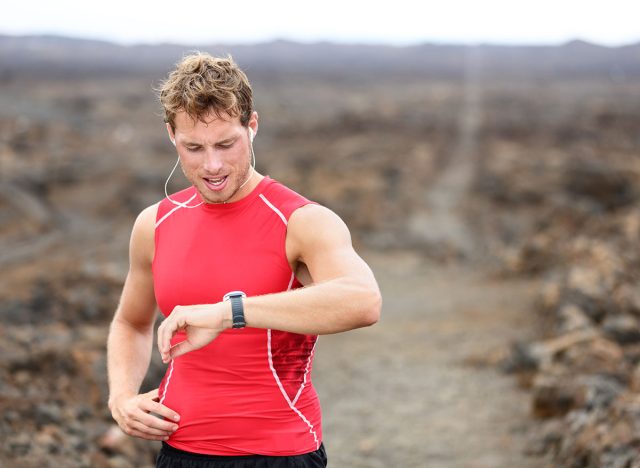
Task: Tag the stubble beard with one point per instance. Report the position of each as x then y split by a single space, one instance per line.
235 184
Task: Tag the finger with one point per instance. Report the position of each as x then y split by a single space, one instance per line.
165 333
161 410
144 428
160 338
154 421
143 435
161 341
181 348
152 395
148 423
166 356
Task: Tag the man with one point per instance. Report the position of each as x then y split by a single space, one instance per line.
247 273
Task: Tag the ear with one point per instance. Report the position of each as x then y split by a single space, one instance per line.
172 136
253 123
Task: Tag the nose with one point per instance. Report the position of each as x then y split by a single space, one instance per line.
212 161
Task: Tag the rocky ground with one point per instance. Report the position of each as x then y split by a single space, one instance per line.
572 198
500 218
421 389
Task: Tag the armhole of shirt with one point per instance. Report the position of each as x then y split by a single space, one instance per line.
166 209
285 202
163 209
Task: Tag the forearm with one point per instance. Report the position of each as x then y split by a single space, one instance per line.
128 356
334 306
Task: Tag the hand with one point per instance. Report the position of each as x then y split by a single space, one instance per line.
132 415
201 323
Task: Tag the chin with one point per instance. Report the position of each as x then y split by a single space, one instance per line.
213 200
220 197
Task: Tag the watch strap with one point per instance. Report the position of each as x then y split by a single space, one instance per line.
237 311
237 308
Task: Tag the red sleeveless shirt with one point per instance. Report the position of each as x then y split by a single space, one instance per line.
249 391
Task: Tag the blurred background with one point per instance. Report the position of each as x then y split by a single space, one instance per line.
485 158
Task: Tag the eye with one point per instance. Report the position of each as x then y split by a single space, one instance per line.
193 148
227 146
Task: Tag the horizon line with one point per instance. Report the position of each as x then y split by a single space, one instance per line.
361 43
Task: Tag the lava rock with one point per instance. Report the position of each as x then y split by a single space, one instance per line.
554 397
624 329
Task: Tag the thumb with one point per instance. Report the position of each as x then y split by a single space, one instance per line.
153 394
181 348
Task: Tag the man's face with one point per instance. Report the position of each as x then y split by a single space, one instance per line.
215 155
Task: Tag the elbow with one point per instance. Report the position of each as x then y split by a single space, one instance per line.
120 323
371 313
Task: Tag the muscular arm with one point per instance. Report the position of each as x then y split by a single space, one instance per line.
344 294
130 340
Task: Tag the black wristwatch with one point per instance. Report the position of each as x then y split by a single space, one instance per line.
237 308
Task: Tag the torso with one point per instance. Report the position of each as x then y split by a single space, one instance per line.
250 390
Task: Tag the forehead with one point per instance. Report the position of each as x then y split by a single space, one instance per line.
209 124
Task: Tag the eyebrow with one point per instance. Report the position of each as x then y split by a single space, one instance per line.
221 142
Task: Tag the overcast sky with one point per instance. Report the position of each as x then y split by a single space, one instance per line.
612 22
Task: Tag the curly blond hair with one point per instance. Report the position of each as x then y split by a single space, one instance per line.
200 84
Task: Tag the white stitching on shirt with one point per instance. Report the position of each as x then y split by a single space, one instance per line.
166 384
270 356
174 209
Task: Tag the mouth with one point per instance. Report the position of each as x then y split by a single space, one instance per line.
216 183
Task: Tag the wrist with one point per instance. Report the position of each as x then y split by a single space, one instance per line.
113 399
227 315
236 304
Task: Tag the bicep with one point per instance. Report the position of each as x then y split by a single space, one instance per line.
137 303
323 243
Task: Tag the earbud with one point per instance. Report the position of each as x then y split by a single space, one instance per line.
251 134
173 141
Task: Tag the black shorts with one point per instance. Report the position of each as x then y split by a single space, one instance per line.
170 457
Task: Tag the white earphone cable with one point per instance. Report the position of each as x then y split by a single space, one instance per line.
166 183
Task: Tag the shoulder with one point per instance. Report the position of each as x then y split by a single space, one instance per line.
315 227
317 215
147 218
142 235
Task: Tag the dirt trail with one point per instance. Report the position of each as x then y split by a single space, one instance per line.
405 393
443 223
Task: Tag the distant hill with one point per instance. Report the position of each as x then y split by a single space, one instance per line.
60 57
